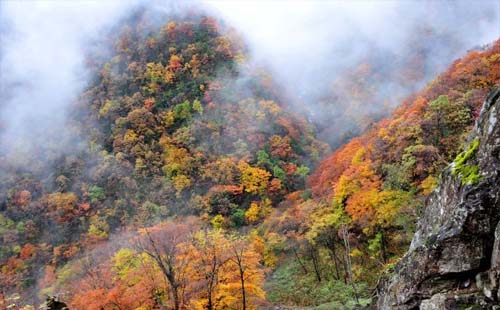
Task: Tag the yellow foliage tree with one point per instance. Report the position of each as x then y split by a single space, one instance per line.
242 277
254 180
252 214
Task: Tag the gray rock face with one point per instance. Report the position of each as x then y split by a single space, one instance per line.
454 259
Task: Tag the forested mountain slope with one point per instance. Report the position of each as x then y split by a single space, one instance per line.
176 125
188 185
368 194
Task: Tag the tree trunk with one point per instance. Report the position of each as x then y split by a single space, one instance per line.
175 293
209 293
333 254
209 303
243 293
345 236
300 262
315 263
383 246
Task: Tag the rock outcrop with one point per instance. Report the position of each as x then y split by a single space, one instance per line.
454 259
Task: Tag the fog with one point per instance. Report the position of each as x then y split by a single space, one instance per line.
307 46
307 42
313 47
42 71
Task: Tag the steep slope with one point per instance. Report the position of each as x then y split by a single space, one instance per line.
176 123
359 213
453 260
173 123
370 90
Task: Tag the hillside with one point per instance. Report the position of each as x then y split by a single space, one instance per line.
370 89
173 129
192 182
368 194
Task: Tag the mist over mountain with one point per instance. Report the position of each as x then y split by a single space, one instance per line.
324 51
312 49
225 155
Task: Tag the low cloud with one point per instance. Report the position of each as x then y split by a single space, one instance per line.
307 46
42 71
313 48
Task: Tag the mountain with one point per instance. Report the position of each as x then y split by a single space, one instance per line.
193 183
357 216
453 260
173 124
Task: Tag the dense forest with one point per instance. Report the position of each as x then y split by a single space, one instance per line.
193 184
174 130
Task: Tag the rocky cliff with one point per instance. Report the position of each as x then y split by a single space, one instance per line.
454 259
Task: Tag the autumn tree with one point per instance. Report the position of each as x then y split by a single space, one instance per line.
244 275
211 253
254 180
166 244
